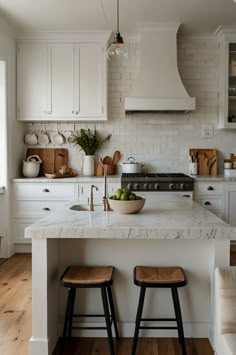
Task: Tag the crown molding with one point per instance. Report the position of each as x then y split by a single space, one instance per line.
67 36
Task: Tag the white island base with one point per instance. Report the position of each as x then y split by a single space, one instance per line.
195 239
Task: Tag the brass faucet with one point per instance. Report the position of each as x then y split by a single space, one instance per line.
106 206
91 206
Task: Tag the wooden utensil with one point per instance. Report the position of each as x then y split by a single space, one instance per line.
107 160
116 157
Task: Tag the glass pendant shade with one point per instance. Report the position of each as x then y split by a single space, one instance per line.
117 48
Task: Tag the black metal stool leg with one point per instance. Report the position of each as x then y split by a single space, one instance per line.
67 313
138 319
179 319
71 311
107 318
110 298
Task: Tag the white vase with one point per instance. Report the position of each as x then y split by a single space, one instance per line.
88 165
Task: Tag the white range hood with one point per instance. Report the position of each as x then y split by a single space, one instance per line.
158 86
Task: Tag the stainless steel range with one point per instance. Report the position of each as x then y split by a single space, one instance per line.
158 182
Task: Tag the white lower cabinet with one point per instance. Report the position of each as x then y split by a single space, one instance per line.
210 195
230 203
33 201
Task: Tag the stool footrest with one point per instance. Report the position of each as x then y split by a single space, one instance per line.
158 319
89 315
146 327
94 328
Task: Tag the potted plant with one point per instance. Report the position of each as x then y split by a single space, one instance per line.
89 142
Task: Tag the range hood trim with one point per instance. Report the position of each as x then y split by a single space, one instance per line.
159 87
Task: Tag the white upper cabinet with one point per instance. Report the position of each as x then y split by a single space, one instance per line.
62 81
31 81
227 78
92 81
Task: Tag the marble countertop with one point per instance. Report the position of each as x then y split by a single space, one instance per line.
174 218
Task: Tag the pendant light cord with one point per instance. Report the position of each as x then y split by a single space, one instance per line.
118 27
104 13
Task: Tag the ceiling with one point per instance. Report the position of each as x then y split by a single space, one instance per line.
196 16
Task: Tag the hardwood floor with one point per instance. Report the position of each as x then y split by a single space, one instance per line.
146 346
15 322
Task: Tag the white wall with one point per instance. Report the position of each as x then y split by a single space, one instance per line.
14 133
162 141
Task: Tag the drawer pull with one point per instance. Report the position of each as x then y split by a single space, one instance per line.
207 203
46 209
210 188
46 190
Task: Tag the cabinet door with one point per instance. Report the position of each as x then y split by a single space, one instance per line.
31 81
61 81
91 76
230 204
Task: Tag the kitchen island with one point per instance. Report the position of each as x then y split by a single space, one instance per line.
174 231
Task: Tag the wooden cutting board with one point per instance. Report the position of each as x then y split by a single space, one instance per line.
207 161
52 159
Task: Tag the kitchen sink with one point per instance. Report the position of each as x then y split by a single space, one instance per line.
79 208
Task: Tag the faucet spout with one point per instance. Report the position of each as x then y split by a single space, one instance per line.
91 205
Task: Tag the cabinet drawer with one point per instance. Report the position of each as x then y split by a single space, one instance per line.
208 188
44 191
210 203
37 209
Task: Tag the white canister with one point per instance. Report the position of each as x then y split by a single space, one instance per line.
88 165
193 168
228 165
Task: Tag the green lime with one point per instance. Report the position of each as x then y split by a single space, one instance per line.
126 191
124 196
118 194
138 197
114 197
132 197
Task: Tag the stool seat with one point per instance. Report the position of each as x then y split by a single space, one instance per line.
87 275
148 275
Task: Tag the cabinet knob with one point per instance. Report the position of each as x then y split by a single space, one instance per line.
77 112
46 209
207 203
73 112
210 188
45 190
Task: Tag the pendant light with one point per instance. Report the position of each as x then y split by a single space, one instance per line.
117 48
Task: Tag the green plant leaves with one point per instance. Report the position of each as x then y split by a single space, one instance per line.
89 141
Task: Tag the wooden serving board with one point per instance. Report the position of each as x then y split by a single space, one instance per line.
52 159
207 161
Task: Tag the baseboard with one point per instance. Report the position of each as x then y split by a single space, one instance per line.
23 248
11 250
191 330
39 346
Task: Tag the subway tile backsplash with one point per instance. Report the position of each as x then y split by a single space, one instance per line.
159 140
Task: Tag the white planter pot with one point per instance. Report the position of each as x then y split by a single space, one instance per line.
88 165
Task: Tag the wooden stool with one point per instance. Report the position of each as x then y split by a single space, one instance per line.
159 277
89 277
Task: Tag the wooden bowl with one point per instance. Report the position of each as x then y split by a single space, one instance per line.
126 207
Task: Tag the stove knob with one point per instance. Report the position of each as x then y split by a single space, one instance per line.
182 186
136 187
157 186
171 187
145 186
129 186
